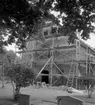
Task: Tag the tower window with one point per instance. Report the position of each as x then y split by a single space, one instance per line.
53 30
46 33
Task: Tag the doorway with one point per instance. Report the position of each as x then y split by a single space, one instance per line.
45 78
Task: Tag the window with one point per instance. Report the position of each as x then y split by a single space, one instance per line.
45 33
53 30
59 30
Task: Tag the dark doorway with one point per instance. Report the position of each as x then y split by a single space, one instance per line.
45 78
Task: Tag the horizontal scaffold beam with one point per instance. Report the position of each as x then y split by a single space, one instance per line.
68 48
54 75
66 76
87 78
88 54
81 77
41 62
85 61
63 60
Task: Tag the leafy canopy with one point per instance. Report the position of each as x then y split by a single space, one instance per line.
77 16
20 19
21 75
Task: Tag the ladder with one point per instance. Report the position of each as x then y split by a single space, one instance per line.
71 75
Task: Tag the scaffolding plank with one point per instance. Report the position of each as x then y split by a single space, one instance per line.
60 61
50 74
45 49
58 75
87 77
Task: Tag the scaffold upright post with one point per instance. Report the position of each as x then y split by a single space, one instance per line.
77 61
52 57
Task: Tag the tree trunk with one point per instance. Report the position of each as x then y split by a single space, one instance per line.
13 88
90 90
2 82
17 92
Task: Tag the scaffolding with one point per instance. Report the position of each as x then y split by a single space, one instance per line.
64 55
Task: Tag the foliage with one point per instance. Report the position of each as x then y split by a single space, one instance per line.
8 59
22 76
77 15
20 19
10 56
2 50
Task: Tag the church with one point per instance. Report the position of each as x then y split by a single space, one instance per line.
57 62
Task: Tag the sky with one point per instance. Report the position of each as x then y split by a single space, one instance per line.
91 41
11 47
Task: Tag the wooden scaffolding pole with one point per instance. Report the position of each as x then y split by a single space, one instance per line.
52 57
77 59
51 72
87 60
43 67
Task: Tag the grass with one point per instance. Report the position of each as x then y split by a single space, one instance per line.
6 95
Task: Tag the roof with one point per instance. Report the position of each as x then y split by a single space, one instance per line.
82 42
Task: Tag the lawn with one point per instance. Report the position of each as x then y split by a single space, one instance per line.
41 96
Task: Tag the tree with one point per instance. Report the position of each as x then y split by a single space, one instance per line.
2 61
20 19
8 59
10 56
20 76
77 16
89 83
